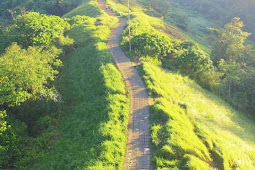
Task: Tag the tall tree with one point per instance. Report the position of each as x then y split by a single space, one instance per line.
27 74
229 42
40 29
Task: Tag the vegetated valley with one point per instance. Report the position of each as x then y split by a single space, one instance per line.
64 104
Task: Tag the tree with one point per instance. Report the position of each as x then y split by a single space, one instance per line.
27 74
151 45
229 42
40 29
193 61
237 85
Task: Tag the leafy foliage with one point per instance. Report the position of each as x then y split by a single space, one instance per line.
229 42
26 74
40 29
184 57
3 123
151 45
234 60
237 85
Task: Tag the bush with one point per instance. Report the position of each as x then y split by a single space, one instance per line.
39 29
151 45
27 74
189 60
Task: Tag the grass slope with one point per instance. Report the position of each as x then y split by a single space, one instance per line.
192 128
93 126
143 22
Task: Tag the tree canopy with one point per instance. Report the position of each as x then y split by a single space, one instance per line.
27 74
40 29
229 42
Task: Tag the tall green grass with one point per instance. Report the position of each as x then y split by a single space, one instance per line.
94 116
193 129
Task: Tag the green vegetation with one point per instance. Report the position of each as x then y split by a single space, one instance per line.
28 94
27 74
89 8
63 103
236 62
186 57
229 42
93 128
69 117
38 29
222 10
192 128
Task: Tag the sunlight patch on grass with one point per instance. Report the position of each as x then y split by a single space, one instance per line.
191 127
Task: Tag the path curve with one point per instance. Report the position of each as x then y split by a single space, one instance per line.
138 152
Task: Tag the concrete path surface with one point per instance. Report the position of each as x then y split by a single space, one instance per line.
138 152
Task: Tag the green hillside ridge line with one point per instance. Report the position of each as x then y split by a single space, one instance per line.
93 126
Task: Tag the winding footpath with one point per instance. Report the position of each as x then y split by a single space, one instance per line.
138 152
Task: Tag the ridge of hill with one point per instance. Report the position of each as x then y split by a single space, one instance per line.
93 126
191 128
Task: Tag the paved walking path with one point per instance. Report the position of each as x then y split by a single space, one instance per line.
138 152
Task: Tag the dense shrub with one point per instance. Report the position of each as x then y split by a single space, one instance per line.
237 86
40 29
26 74
235 61
184 57
151 45
28 69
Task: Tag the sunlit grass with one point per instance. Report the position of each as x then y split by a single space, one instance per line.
190 127
93 124
193 128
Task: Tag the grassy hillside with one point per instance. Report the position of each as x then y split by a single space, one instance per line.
192 128
94 116
223 10
145 20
